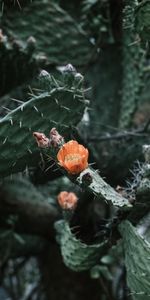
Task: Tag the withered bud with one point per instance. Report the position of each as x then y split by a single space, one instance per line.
41 139
56 140
67 201
121 190
87 178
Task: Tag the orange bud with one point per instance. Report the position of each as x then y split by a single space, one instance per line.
67 200
73 157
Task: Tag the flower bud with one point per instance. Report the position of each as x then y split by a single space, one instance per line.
41 139
56 140
67 201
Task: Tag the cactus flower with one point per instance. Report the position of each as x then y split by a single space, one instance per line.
67 200
73 157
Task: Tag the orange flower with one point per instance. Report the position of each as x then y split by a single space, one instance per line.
67 200
73 157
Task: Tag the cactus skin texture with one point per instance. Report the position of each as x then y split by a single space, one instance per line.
20 59
101 189
63 105
133 67
76 255
54 30
142 19
137 258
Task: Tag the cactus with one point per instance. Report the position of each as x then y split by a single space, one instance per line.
77 255
101 189
142 19
41 36
88 178
137 256
22 61
62 105
61 44
133 67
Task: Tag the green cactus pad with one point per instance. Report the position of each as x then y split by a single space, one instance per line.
55 31
133 67
142 19
137 261
62 106
21 61
101 189
76 255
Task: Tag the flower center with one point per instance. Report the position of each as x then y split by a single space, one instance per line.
70 157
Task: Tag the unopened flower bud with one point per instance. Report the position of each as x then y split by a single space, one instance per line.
69 69
56 140
31 44
42 140
67 201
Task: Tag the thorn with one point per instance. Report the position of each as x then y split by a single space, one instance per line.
64 125
42 115
30 129
4 141
31 91
29 150
16 100
55 82
6 108
52 121
55 169
20 124
14 164
53 164
56 101
67 108
35 108
22 107
11 122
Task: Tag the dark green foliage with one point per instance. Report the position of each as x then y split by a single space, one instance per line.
142 19
96 20
133 67
18 62
56 33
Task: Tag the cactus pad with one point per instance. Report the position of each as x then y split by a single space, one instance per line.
76 255
137 261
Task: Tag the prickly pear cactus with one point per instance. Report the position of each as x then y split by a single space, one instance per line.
142 19
137 261
76 255
21 61
53 28
61 106
133 66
